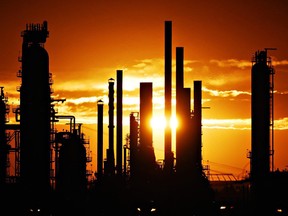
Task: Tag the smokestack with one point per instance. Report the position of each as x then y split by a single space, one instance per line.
146 154
179 70
146 107
110 151
197 121
119 121
183 135
100 139
179 90
168 162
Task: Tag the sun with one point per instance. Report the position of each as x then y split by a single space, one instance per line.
160 122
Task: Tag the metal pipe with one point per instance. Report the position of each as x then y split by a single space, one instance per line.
72 121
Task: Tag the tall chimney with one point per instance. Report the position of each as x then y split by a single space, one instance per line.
146 152
100 139
168 162
119 121
197 121
179 107
146 108
182 114
110 151
179 69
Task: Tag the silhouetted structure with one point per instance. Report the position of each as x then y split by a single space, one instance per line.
261 115
100 139
109 167
71 176
191 181
119 128
146 150
134 142
4 147
169 157
197 128
35 111
186 131
262 179
181 101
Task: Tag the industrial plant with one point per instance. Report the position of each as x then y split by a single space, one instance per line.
51 175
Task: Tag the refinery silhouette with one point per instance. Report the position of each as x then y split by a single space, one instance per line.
51 177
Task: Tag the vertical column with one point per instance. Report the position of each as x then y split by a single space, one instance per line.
168 163
35 112
133 145
3 143
179 107
100 139
260 121
110 152
119 126
197 121
146 151
145 114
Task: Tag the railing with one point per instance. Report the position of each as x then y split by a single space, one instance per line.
19 73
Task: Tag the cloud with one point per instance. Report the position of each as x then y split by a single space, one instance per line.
281 124
278 63
227 93
221 79
234 124
219 73
240 124
242 64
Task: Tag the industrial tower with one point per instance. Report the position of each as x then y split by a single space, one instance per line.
35 111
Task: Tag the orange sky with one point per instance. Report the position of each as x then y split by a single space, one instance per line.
90 40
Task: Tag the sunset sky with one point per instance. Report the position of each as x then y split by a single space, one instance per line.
89 40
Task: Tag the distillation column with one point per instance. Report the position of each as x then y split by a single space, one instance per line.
261 128
260 107
35 111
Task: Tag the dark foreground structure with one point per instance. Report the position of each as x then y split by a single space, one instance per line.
50 167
